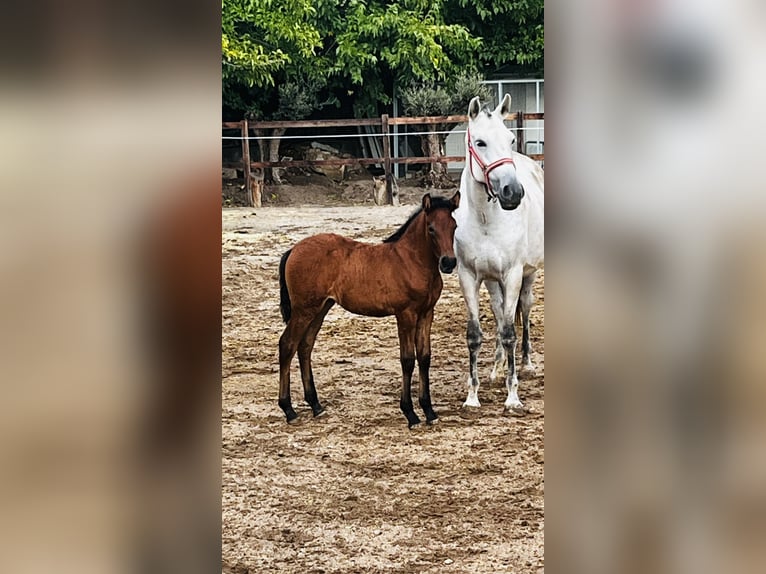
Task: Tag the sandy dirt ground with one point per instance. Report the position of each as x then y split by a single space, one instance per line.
356 491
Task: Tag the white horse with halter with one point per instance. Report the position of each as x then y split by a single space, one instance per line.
498 240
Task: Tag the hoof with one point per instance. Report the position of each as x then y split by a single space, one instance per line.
516 410
293 420
320 414
471 404
527 371
433 421
469 413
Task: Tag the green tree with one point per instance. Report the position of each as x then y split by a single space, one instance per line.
269 55
357 48
372 45
512 32
262 38
432 99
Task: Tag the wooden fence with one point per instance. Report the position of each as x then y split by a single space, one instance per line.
384 122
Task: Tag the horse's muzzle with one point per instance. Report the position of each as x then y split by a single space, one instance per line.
510 196
447 264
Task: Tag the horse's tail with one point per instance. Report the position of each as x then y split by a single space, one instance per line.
519 320
285 306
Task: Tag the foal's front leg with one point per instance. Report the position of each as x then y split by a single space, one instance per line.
423 349
406 323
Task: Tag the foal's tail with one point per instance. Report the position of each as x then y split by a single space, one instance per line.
518 318
284 295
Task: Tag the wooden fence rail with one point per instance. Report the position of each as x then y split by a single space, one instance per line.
385 122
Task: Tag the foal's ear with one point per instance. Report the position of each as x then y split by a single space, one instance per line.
474 107
455 201
426 202
505 106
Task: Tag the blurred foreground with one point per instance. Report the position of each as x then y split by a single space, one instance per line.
656 321
110 289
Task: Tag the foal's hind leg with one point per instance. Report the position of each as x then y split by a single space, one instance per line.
526 299
304 358
288 345
406 323
496 302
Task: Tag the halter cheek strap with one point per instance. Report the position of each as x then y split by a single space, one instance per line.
485 168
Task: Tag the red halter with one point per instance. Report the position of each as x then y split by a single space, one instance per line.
485 168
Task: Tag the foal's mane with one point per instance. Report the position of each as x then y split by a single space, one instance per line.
436 203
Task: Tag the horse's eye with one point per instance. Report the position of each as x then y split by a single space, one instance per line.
431 230
481 143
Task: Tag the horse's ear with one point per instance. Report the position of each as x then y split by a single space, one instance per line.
426 202
474 107
505 106
455 201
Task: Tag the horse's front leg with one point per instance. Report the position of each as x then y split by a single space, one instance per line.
406 323
496 303
511 287
423 350
470 284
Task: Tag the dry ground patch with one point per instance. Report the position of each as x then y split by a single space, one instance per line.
356 491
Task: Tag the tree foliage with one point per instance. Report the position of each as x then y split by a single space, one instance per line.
512 32
434 99
358 50
381 43
354 48
262 38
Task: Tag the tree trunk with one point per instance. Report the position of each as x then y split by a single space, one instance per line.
262 153
433 146
276 172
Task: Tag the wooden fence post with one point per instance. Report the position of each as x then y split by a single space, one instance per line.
520 131
246 163
387 160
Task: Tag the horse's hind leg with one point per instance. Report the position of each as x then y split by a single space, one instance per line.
526 299
496 302
288 345
304 358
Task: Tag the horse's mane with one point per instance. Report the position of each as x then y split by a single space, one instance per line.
436 203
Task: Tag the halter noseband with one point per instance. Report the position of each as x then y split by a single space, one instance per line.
491 195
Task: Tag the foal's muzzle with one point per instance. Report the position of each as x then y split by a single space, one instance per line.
447 264
510 196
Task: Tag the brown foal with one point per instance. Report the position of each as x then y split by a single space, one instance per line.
397 277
